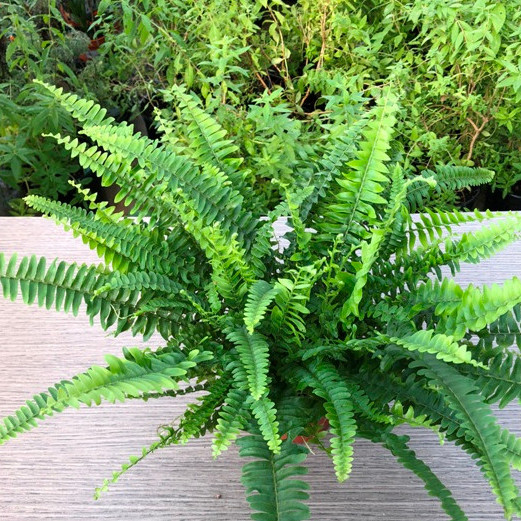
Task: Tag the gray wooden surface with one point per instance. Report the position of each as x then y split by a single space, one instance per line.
50 473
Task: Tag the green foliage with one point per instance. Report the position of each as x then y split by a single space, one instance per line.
398 447
253 353
127 377
260 296
457 67
350 319
275 74
35 43
365 179
327 384
268 480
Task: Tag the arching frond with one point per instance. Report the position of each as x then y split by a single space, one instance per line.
364 178
327 384
131 376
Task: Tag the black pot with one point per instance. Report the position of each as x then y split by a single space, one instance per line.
513 202
6 194
475 198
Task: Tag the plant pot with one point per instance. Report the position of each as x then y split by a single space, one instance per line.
513 199
321 426
474 198
513 202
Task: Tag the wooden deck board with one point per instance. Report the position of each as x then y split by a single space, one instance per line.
50 473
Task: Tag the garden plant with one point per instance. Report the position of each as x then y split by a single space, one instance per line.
462 107
289 62
352 319
35 42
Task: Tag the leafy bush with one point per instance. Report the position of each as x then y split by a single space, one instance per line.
276 74
352 320
36 43
461 107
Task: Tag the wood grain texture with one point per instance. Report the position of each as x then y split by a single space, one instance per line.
50 473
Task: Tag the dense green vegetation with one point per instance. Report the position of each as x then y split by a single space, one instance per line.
275 74
343 117
328 326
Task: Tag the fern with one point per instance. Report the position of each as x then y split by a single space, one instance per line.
253 353
472 308
207 138
290 308
260 296
398 446
85 111
131 376
326 384
479 424
121 246
448 178
347 322
197 418
265 413
361 187
443 346
268 480
232 418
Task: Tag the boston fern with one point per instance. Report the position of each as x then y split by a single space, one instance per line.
346 317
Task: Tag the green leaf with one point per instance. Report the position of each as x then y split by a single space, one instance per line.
270 480
260 296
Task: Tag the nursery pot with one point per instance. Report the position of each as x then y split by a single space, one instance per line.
513 199
475 198
322 424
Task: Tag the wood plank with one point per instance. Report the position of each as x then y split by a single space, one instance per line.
50 473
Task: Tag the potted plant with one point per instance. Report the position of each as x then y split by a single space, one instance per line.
352 321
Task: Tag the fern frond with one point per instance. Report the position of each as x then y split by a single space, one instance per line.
329 166
501 382
397 445
59 285
266 415
197 417
145 193
132 462
442 346
232 274
469 247
479 425
210 190
253 352
119 245
370 251
512 446
141 280
448 178
260 296
85 111
365 179
207 139
137 373
326 383
432 225
287 316
233 416
66 286
469 309
269 480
